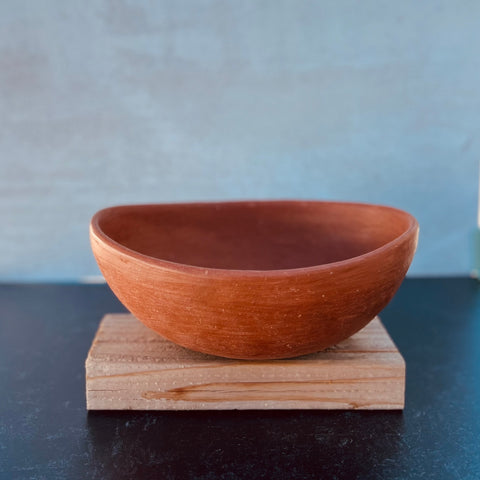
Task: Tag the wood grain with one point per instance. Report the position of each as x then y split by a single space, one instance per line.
130 367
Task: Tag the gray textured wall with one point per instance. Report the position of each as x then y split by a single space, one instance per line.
107 102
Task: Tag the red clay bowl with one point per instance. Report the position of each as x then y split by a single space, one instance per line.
254 280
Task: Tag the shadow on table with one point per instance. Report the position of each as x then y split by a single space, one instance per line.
244 444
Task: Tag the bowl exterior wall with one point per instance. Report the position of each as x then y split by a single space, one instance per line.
268 316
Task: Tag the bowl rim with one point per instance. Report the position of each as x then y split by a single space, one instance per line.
171 266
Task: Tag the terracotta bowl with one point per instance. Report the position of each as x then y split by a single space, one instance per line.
254 280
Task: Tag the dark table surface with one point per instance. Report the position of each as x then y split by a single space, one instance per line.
46 432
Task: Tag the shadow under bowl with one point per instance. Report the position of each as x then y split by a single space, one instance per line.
254 279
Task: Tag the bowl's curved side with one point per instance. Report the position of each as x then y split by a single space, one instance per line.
257 317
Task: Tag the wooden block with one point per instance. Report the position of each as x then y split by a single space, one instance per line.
130 367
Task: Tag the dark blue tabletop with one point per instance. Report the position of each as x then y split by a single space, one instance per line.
46 432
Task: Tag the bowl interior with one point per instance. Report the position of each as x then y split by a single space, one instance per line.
254 235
